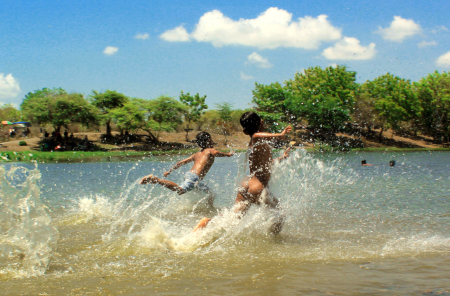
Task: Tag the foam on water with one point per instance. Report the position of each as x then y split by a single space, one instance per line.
27 235
330 210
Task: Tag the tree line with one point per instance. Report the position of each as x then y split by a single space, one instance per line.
330 98
58 108
326 99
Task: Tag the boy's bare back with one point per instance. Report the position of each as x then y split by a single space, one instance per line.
203 160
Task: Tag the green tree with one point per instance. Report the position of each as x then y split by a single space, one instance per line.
129 117
395 100
167 112
325 97
58 108
365 113
195 108
10 113
225 113
106 102
272 103
434 95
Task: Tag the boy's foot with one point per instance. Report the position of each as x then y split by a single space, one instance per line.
148 179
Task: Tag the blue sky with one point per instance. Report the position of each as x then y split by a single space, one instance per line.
216 48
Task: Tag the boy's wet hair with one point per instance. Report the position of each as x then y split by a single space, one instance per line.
250 121
202 139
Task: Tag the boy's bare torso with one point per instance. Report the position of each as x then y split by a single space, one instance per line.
260 160
203 160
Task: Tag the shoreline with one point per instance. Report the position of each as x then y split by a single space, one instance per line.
31 156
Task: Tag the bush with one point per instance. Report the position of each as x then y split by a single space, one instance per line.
22 143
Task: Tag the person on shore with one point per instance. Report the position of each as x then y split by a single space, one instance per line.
253 189
203 160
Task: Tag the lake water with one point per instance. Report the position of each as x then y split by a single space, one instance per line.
90 229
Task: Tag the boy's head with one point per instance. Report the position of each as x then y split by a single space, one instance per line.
250 122
204 140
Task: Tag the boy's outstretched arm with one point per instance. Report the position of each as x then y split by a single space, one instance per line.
217 153
272 136
284 156
179 164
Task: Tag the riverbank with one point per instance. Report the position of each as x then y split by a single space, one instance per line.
11 151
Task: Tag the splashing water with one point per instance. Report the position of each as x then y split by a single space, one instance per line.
26 233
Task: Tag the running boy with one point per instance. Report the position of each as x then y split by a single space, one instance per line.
253 189
203 160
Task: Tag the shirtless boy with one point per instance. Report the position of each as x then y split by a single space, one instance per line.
253 189
203 160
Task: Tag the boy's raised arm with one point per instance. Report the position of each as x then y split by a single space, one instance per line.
287 130
179 164
217 153
284 156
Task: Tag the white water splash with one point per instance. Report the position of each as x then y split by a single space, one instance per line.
27 235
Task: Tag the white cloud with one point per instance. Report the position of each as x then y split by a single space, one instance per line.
259 61
350 49
9 86
439 29
272 29
110 50
174 35
425 44
399 29
444 60
142 36
246 77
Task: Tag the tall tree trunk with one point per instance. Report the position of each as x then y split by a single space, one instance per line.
108 128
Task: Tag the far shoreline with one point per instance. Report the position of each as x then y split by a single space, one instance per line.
31 156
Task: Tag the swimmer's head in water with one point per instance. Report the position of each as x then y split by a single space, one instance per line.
250 122
203 140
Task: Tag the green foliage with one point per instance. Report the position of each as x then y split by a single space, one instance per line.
194 107
394 98
272 104
128 117
22 143
105 103
57 107
166 112
10 113
324 97
434 95
225 111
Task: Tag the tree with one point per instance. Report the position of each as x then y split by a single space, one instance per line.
225 114
365 113
272 103
58 108
167 112
106 102
128 117
10 113
195 108
324 97
395 100
434 96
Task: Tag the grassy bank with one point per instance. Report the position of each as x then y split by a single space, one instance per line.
89 156
83 156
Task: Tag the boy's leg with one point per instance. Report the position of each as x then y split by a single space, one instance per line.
166 183
202 224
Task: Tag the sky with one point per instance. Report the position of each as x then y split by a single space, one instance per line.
145 48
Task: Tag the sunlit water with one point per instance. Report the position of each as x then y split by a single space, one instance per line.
91 229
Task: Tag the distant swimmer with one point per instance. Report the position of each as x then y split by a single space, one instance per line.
203 160
253 189
364 163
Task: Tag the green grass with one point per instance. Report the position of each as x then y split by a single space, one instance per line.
81 156
99 156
